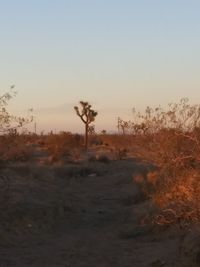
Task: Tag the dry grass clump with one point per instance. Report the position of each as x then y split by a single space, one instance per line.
177 198
103 159
120 145
20 153
64 145
116 140
180 197
14 148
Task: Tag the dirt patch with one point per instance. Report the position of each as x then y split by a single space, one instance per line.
81 215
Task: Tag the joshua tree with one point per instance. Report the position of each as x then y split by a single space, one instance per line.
122 125
87 115
103 132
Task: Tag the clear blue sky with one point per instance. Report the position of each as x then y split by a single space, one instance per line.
117 54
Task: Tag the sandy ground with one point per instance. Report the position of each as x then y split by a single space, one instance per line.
83 215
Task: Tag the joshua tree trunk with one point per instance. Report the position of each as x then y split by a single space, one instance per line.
86 136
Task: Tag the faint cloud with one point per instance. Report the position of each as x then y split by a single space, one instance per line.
53 110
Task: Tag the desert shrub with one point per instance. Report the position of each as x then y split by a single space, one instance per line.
103 159
120 145
95 140
63 145
172 142
8 122
173 136
92 158
121 153
14 147
116 140
177 198
19 153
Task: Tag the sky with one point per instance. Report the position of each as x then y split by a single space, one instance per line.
116 54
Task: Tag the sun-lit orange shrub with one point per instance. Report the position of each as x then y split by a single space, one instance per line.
63 145
172 143
120 145
15 147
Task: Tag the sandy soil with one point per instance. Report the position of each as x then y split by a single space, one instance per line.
82 215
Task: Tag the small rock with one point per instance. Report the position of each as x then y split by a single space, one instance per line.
92 175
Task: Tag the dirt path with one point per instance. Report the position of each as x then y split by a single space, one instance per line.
99 224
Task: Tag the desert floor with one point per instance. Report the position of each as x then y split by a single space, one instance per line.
86 214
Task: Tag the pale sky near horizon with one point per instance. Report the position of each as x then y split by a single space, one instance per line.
116 54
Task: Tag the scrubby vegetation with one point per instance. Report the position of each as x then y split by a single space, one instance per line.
147 175
171 141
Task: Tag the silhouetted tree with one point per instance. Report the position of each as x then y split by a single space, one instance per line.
87 115
103 132
122 125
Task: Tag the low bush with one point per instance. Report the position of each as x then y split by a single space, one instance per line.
14 147
172 142
103 159
64 145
